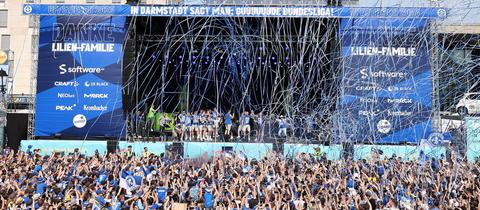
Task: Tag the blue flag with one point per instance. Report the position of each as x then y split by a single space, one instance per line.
129 181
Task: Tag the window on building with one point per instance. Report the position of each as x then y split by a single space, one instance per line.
60 1
3 18
5 42
2 1
116 1
91 1
30 1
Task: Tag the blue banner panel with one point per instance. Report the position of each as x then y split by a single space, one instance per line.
229 11
47 147
387 87
79 82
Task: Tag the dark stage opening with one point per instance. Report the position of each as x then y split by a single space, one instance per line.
275 65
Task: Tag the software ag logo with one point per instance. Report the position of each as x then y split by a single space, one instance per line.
79 70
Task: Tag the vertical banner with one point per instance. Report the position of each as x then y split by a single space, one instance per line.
387 84
79 82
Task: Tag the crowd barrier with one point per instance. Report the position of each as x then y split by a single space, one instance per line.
250 150
473 138
48 146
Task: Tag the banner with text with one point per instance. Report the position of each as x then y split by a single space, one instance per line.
387 84
79 83
232 11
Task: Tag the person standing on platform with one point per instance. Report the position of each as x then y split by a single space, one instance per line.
260 126
151 118
216 122
188 130
282 126
228 125
244 128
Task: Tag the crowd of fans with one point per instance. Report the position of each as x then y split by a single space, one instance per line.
126 180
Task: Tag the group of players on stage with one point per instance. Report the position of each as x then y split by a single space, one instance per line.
208 124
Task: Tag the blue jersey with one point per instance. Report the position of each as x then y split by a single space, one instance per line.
188 120
208 197
283 124
228 119
41 188
246 120
161 194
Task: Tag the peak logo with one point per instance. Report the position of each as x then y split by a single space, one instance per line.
95 95
79 70
65 108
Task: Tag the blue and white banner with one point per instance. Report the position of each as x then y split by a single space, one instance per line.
79 83
387 84
229 11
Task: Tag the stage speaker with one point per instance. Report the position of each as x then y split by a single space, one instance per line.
176 149
278 147
112 146
227 149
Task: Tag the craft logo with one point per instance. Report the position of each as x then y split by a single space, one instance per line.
79 121
70 83
384 126
27 9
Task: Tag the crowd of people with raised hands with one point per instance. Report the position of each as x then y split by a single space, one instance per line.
126 180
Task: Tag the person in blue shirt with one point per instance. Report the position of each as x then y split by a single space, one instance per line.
161 192
228 124
282 126
244 127
208 198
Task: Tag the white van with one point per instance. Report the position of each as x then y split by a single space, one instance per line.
469 104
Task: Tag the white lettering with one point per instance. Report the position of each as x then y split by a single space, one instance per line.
94 108
384 51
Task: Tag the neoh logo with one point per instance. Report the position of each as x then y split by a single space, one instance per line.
79 121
